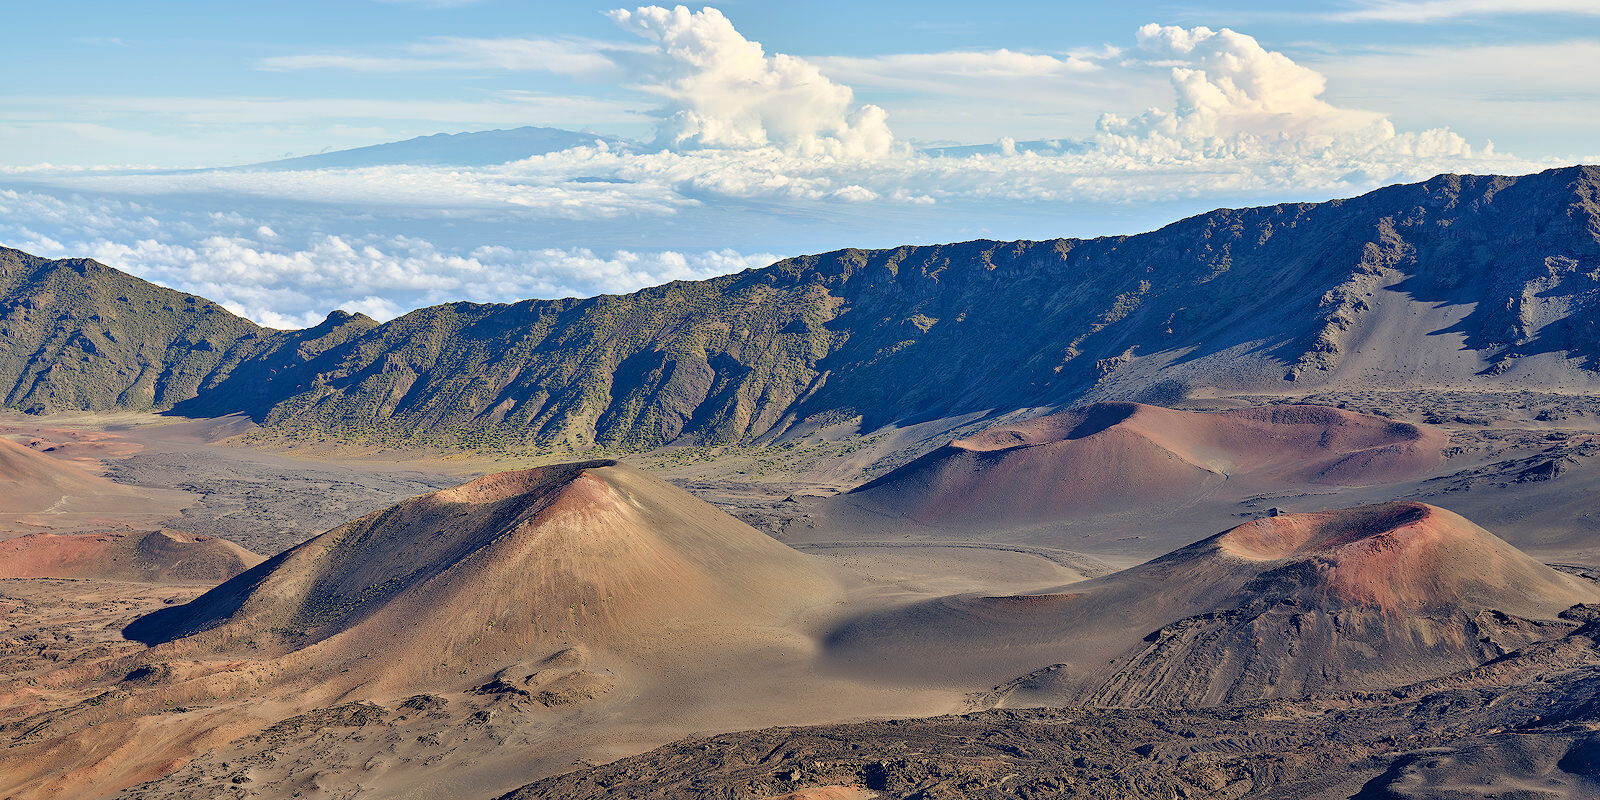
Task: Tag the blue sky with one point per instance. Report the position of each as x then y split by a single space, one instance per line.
764 129
65 56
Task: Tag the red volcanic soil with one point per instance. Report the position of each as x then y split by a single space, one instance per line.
1114 456
562 602
1402 555
598 555
163 556
833 792
1365 597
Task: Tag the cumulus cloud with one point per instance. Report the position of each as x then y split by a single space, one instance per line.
756 127
1237 98
723 91
758 147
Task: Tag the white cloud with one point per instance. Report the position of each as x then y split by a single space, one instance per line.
559 56
724 91
1230 85
1236 99
923 70
854 193
559 187
1435 10
765 144
1245 120
252 271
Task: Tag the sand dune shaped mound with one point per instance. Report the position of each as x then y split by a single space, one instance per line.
1362 598
1397 556
31 482
510 566
1113 456
162 556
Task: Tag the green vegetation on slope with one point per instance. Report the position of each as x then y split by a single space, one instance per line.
1233 299
78 335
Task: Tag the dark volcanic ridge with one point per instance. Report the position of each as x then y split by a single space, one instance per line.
1472 282
1521 727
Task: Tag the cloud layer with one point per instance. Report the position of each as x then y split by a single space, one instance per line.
757 155
559 56
293 279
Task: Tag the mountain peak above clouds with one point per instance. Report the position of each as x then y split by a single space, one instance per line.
469 149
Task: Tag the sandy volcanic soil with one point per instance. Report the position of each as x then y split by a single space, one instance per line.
267 501
39 492
1524 727
1364 598
1131 457
50 623
161 556
262 500
399 649
1521 466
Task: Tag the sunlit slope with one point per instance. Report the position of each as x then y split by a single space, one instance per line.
1359 598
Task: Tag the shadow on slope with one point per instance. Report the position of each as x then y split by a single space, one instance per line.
1361 598
596 554
1116 456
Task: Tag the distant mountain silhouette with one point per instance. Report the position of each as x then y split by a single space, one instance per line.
474 149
